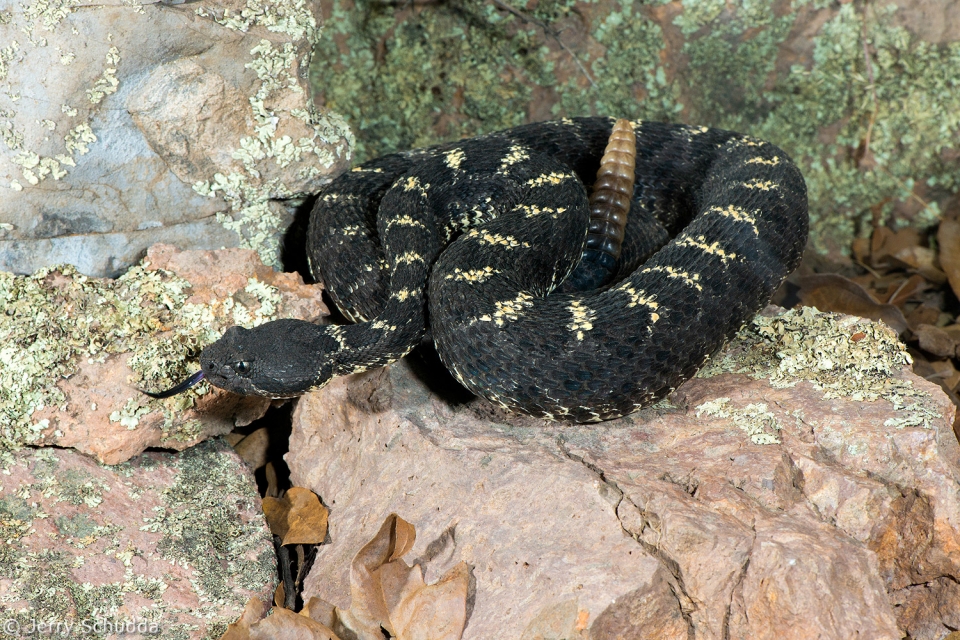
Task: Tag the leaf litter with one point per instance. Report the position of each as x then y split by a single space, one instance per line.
388 596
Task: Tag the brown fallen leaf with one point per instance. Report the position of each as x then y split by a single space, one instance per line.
922 260
907 289
273 483
253 612
946 374
368 606
284 624
435 611
388 593
320 610
953 330
861 250
832 292
297 517
253 448
948 239
877 239
885 243
281 624
233 438
279 596
924 314
936 341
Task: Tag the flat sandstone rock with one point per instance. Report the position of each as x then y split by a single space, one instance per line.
805 486
167 545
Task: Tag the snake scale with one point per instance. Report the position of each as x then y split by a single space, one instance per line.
479 237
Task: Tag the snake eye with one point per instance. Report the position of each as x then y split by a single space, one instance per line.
241 367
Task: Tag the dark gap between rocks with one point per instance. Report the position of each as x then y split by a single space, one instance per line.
293 249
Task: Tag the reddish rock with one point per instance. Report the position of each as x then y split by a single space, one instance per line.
176 542
97 392
664 524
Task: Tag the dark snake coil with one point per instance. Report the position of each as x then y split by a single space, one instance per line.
482 237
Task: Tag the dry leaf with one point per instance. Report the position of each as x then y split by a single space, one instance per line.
922 260
253 448
953 330
297 517
255 610
906 290
924 314
433 612
948 238
273 484
877 239
390 594
284 624
832 292
861 250
936 341
321 611
281 624
885 243
368 607
233 438
279 596
945 374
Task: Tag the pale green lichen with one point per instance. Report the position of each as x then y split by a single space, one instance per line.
47 13
248 197
144 313
47 16
201 528
844 356
291 17
107 83
755 419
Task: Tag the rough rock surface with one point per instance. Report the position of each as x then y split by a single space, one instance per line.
675 522
173 541
127 123
70 379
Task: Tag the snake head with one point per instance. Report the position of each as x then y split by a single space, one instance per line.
279 359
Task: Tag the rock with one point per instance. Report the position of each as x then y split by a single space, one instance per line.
76 350
174 542
804 486
189 125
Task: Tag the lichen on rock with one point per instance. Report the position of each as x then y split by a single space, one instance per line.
326 136
758 423
210 94
64 336
844 356
174 541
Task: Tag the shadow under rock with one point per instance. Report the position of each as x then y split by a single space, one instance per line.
430 370
293 252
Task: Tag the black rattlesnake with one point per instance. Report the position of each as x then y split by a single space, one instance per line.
484 231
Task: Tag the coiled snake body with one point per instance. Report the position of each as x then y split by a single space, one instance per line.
479 235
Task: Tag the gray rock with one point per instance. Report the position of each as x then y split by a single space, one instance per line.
187 125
